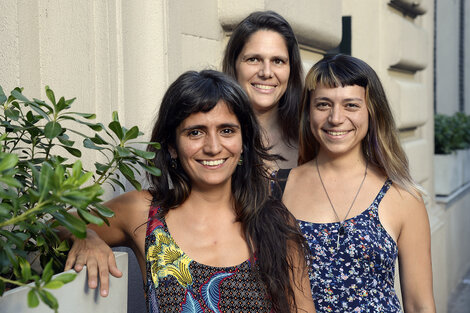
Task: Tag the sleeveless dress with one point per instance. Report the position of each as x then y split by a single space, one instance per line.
176 283
359 275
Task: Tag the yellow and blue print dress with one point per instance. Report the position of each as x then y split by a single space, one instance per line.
176 283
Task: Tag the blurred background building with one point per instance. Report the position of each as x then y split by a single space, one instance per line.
116 55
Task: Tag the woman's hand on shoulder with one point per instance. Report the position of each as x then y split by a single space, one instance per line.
97 256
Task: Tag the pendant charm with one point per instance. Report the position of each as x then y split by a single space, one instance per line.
341 231
340 234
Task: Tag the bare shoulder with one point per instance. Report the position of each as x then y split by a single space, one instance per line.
408 209
405 200
131 208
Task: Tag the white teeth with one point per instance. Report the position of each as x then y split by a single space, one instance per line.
213 163
336 133
263 86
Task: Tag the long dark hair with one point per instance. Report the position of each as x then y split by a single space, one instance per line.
381 146
288 106
268 227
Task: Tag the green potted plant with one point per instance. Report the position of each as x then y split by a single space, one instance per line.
451 142
42 178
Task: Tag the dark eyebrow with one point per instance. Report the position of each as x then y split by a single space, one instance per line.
225 125
204 127
322 98
353 99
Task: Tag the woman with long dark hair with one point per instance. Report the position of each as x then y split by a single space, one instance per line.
214 240
263 56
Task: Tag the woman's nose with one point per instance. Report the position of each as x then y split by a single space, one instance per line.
265 70
212 144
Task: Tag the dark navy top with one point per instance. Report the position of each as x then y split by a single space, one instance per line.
357 276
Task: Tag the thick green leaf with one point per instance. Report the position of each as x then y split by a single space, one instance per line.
90 218
25 269
48 299
64 246
47 272
88 143
13 114
33 300
101 167
131 134
62 105
8 161
39 110
52 130
3 97
5 209
18 95
54 284
75 152
45 179
148 155
115 126
123 152
98 140
84 178
117 182
64 139
66 277
12 182
126 170
40 241
50 95
75 225
115 116
88 116
156 145
151 169
12 238
77 169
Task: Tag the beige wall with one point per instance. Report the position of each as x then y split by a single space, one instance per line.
121 55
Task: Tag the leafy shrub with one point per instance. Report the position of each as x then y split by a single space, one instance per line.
451 132
42 179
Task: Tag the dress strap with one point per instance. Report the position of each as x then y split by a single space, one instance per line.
153 220
278 184
386 186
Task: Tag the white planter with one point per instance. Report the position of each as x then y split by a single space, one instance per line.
448 172
75 297
466 167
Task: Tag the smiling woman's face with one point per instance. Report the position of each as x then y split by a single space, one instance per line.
263 69
209 145
339 118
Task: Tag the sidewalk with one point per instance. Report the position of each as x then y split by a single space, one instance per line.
459 301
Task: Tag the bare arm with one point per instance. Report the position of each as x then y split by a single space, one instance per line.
300 283
131 211
414 255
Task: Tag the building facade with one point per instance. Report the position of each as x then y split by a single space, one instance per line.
116 55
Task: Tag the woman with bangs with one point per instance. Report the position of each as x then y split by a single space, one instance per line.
354 197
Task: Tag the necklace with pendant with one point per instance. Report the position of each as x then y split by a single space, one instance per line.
341 229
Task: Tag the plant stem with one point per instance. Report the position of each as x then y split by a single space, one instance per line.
14 282
23 216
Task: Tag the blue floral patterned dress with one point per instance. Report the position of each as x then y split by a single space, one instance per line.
176 283
359 275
